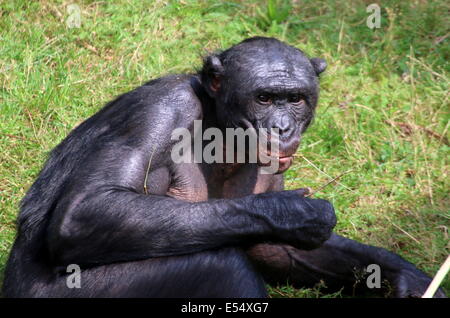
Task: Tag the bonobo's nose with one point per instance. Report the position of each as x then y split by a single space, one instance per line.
283 124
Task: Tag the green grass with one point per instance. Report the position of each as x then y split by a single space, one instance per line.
395 194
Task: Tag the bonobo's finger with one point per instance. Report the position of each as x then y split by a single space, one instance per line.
302 191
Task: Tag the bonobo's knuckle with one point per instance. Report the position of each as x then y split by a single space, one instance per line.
328 213
325 205
322 234
326 234
312 241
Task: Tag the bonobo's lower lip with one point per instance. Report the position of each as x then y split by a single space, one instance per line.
284 163
286 159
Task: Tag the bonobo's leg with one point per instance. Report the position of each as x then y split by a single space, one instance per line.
339 262
220 273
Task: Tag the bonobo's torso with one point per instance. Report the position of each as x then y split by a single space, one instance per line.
200 182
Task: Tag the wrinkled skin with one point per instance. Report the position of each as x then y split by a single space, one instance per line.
142 227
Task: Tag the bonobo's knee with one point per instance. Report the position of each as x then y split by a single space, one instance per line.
225 272
231 274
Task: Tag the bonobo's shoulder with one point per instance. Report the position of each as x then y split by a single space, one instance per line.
171 99
175 81
174 91
160 104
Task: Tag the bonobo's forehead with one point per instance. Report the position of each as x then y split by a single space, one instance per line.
280 74
270 64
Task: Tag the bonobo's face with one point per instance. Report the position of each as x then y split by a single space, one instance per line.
267 84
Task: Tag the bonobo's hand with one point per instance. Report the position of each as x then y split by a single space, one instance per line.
294 219
412 283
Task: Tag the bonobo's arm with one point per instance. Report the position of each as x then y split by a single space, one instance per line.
104 216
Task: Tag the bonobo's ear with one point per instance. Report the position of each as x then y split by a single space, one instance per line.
211 74
319 65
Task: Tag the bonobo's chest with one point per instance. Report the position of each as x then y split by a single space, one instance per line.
199 182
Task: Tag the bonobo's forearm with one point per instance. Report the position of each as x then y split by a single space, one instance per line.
119 225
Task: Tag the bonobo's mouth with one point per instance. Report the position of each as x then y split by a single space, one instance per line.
283 158
283 162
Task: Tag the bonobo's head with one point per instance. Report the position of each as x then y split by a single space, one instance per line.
265 83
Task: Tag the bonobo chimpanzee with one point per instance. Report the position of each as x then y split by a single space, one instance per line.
111 200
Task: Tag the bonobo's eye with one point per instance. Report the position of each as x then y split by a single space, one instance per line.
264 99
295 99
